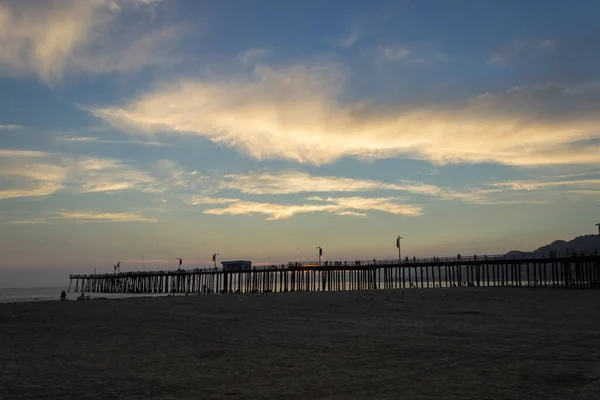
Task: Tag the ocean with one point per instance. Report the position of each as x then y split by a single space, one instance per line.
22 295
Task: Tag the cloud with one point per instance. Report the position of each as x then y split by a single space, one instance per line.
273 211
394 53
288 182
352 214
348 40
90 216
10 127
526 191
101 175
294 113
197 200
32 221
9 153
38 174
366 22
48 38
483 196
293 182
531 185
251 56
78 139
89 139
521 49
152 49
347 206
385 204
419 56
26 173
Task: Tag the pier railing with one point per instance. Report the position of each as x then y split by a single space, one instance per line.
451 259
575 270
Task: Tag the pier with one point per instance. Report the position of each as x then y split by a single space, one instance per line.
575 271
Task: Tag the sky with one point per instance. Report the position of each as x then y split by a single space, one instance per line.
158 129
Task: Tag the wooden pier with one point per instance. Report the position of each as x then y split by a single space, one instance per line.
578 271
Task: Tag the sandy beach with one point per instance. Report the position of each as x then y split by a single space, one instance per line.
460 343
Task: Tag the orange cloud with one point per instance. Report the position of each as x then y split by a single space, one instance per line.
88 216
346 206
294 113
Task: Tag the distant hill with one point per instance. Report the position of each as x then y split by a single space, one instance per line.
585 243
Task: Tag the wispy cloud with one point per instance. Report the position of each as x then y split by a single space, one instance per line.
38 174
349 39
197 200
293 113
11 153
100 175
272 211
346 206
520 49
90 139
50 37
487 196
91 216
419 56
252 56
294 182
28 174
394 53
352 214
32 221
287 182
367 22
10 127
532 185
530 191
383 204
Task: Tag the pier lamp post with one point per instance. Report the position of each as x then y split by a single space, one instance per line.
320 254
215 259
399 250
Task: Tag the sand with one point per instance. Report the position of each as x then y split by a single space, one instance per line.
459 343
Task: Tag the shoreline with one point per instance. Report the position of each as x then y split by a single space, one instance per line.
123 296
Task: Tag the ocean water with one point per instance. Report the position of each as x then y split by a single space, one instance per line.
20 295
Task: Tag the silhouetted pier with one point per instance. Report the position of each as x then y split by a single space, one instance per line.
575 271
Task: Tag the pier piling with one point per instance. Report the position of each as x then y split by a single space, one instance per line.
581 272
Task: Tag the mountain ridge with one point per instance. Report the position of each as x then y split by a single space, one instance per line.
585 243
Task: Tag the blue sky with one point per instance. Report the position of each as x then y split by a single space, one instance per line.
260 130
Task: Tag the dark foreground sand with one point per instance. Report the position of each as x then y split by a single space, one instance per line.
526 344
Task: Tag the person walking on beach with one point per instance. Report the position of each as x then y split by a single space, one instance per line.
63 295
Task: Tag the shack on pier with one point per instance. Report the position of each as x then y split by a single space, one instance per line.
236 266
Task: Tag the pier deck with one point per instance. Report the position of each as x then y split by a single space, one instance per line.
582 271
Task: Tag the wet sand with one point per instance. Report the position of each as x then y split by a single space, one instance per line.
459 343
